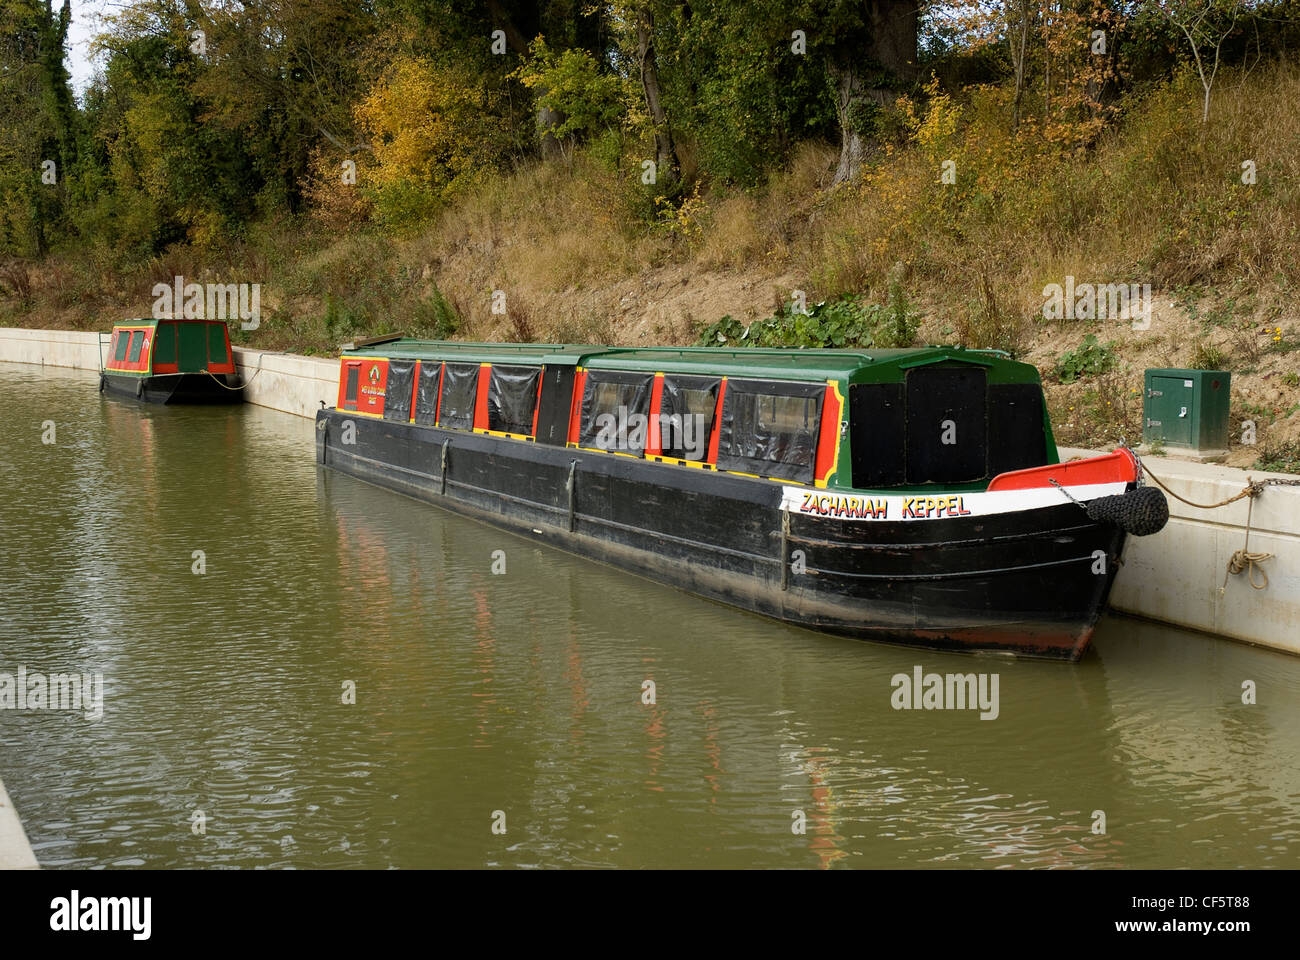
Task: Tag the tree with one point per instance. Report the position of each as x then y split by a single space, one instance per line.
872 53
667 166
38 123
1206 24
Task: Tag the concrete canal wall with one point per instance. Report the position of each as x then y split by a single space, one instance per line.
15 851
281 381
1176 576
287 382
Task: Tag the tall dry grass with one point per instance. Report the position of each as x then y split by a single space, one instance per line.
1159 199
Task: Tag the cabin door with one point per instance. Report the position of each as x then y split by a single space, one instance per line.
193 348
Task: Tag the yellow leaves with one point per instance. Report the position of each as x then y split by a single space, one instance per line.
688 218
427 127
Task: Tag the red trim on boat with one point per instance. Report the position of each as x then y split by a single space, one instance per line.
824 465
537 402
653 441
437 404
480 399
575 406
717 423
1114 467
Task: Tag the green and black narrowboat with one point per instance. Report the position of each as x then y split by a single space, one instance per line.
171 361
912 496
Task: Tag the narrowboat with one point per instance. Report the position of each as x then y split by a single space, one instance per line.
171 361
911 496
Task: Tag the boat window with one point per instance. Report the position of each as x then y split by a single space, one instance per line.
350 390
687 409
426 399
217 344
512 398
123 339
137 341
615 411
770 428
397 391
459 392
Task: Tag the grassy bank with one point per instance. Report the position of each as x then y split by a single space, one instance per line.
574 251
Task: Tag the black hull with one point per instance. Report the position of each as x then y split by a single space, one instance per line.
174 388
1019 583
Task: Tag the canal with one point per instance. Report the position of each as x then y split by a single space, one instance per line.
236 600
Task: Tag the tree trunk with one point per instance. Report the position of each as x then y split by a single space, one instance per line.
547 119
1018 51
868 72
667 167
848 94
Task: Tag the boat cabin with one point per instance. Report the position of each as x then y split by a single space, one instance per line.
849 419
170 360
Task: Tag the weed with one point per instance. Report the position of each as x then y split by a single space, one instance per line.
1089 359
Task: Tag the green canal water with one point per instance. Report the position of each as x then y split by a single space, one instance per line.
515 699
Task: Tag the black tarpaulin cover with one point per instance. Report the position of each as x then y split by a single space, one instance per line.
770 428
617 395
426 397
512 399
459 390
397 390
693 400
947 424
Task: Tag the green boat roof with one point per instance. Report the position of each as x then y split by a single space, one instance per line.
854 366
154 321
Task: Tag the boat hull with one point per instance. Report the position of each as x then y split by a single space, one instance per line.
1030 582
176 388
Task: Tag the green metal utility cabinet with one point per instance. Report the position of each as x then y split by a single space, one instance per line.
1187 410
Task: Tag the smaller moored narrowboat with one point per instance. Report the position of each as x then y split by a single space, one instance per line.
171 361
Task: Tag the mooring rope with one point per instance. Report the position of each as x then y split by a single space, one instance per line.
220 383
1242 560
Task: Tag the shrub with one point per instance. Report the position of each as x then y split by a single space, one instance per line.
572 84
1089 359
844 322
1206 356
436 315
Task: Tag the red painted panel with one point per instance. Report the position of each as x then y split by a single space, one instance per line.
717 423
575 406
829 436
374 380
1106 468
141 363
437 406
480 401
654 445
537 401
415 389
